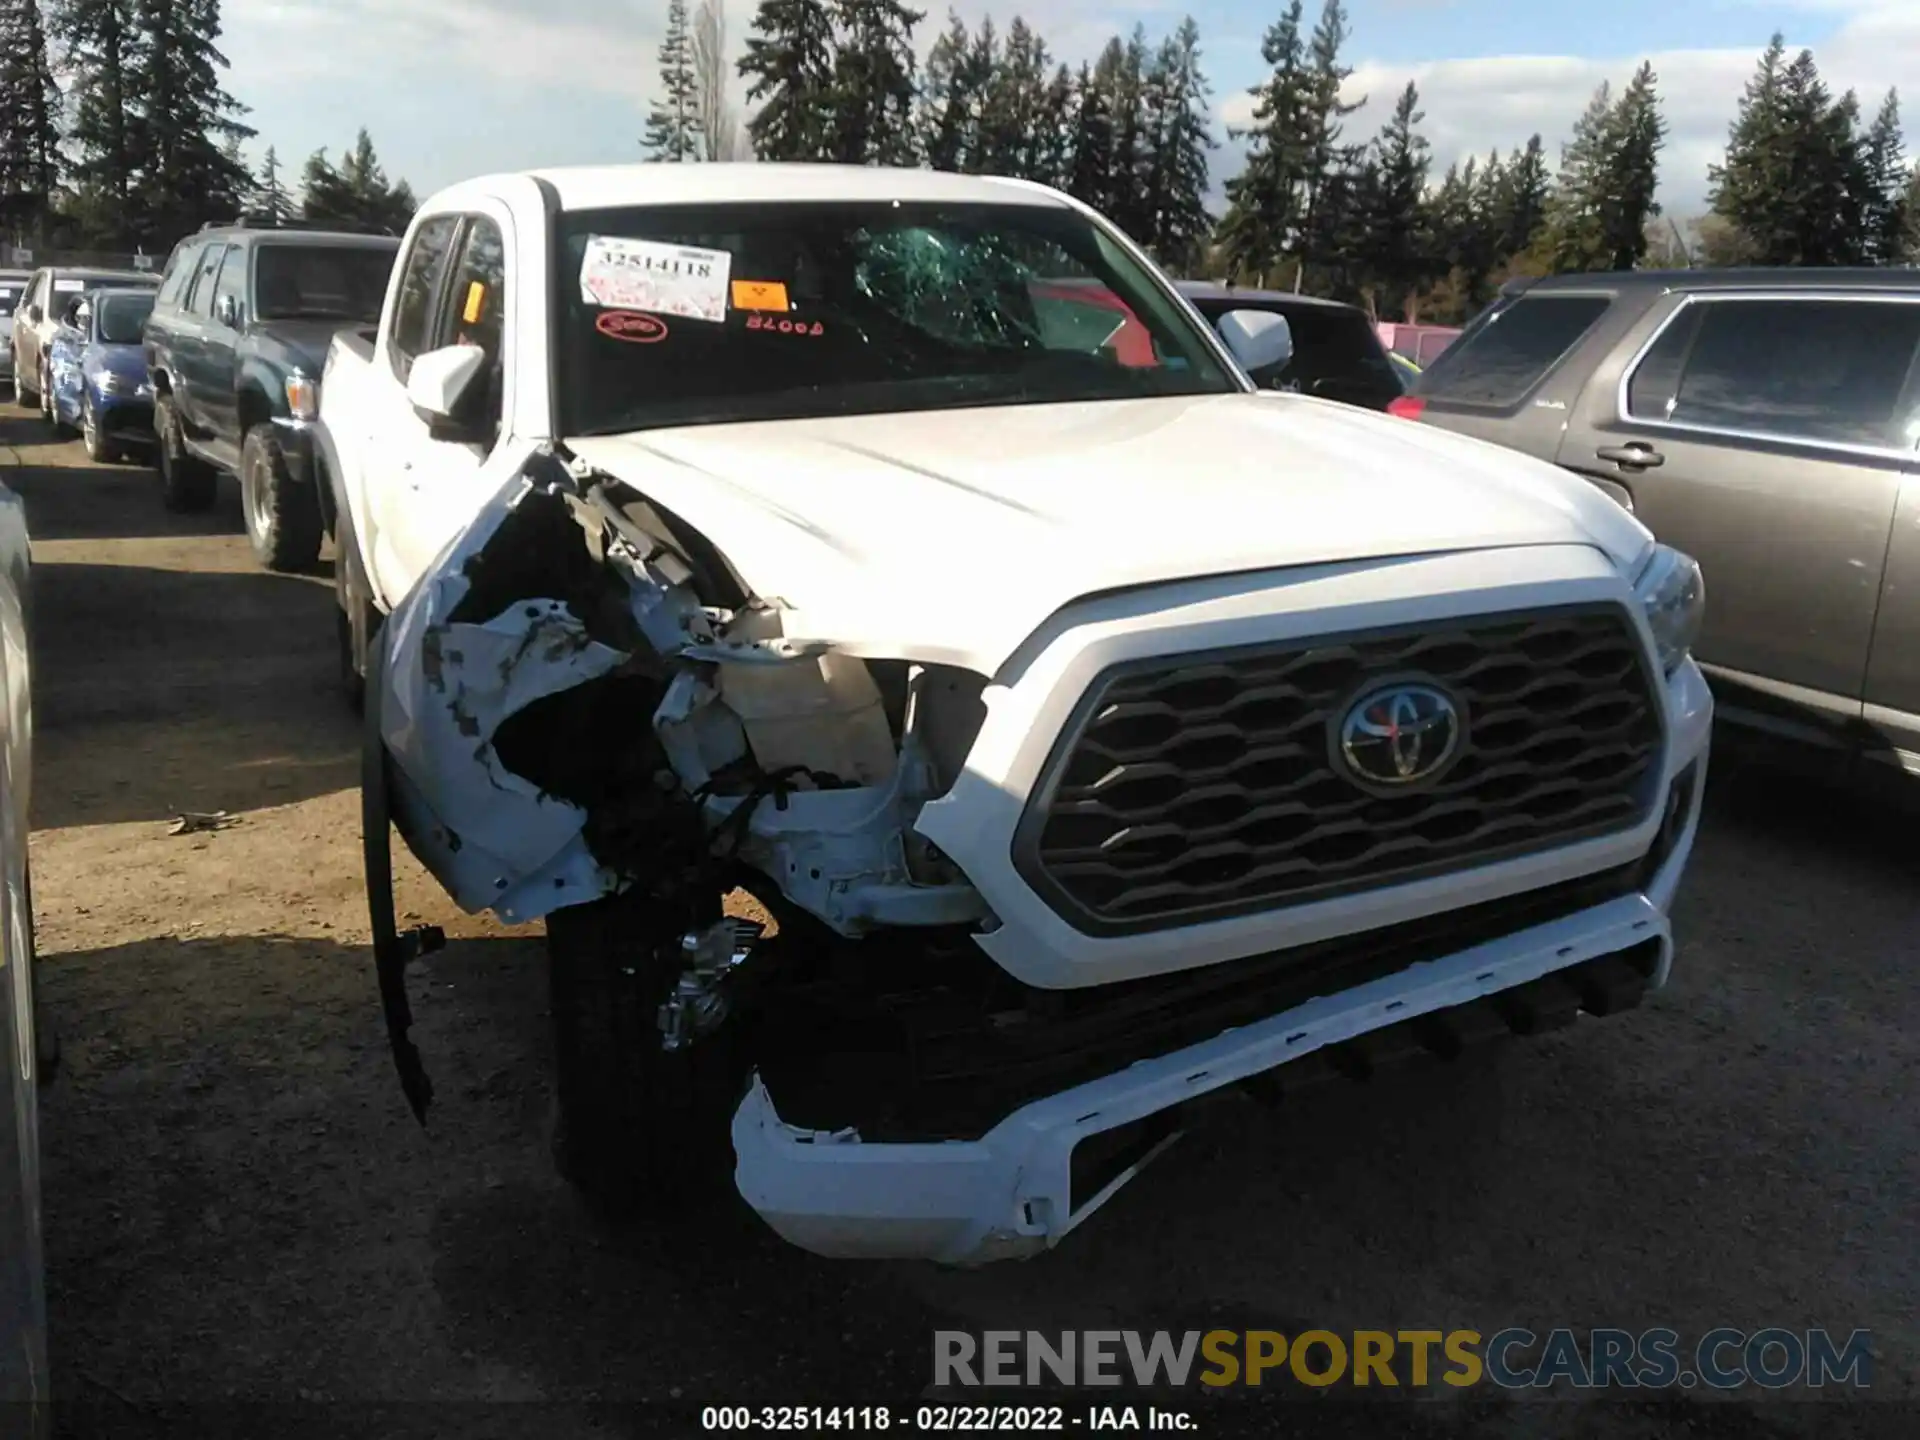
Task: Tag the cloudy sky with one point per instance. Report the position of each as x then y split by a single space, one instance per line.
451 88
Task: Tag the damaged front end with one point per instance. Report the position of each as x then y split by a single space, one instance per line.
581 700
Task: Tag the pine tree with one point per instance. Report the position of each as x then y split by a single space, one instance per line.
270 196
949 98
1575 236
100 39
673 125
1264 209
1183 141
1056 130
1011 92
1399 245
1524 192
789 63
1910 216
186 172
874 84
1128 202
1092 169
1630 170
1323 112
1885 218
357 193
29 120
1793 187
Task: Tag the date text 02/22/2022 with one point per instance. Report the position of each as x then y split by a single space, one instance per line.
944 1419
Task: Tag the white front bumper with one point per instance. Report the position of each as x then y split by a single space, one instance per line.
1008 1193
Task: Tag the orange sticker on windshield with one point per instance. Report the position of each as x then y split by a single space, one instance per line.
476 302
759 295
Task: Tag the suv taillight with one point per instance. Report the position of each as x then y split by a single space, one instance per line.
1407 407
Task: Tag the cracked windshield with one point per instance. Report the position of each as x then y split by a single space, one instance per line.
745 716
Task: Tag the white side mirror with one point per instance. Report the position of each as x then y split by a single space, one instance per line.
439 380
227 311
1259 339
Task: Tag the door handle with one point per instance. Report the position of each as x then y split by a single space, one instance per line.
1637 456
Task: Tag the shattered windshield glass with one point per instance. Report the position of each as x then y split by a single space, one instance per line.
719 313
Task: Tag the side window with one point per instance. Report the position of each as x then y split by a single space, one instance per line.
233 280
1822 370
420 285
1500 358
179 271
200 296
476 311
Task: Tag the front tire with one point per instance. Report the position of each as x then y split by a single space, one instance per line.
639 1126
49 411
100 450
23 395
187 485
283 518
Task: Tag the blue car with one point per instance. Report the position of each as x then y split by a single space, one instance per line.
99 373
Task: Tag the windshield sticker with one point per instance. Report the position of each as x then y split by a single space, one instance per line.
631 326
69 287
646 275
760 295
476 303
784 326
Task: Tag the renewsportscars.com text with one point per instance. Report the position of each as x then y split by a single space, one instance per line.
1513 1358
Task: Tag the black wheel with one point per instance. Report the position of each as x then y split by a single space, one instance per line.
283 518
23 395
186 484
99 449
638 1126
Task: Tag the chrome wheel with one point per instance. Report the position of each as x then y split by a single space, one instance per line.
256 499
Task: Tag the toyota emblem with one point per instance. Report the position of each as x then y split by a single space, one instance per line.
1400 734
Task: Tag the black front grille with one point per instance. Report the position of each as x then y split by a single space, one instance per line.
939 1043
1194 789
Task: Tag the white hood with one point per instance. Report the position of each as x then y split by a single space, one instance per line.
949 536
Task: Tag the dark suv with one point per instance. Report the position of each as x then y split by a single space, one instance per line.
1337 353
235 346
1763 421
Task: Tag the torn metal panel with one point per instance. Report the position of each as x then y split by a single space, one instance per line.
787 745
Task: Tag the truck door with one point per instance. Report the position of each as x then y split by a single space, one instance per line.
444 482
189 339
388 438
218 372
1757 430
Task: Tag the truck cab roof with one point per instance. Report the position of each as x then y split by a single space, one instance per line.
595 187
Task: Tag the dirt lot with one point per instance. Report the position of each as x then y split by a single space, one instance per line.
240 1208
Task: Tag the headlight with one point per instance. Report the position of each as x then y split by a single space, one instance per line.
303 397
1675 599
112 384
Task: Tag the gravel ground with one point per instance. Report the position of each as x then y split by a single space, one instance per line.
240 1209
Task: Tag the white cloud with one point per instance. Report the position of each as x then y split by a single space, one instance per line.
1472 106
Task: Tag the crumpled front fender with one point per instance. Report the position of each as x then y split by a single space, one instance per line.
493 839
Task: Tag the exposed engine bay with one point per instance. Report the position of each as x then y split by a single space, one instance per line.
626 697
598 706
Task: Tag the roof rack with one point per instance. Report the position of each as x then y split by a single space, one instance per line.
263 221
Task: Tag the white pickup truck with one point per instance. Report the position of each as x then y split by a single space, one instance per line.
1093 731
